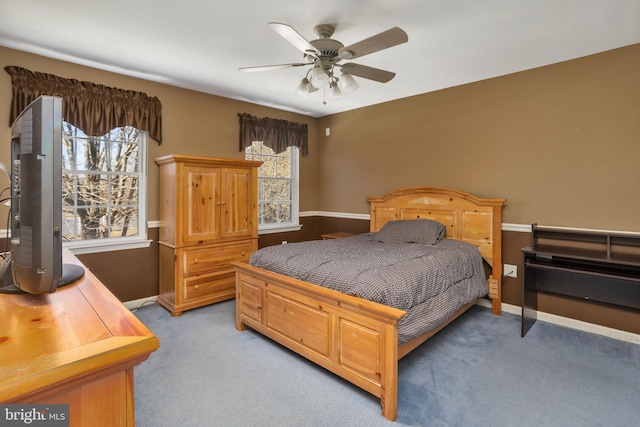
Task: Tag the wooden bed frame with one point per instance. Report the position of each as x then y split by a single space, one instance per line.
352 337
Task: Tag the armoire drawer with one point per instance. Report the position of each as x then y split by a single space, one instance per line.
210 285
214 258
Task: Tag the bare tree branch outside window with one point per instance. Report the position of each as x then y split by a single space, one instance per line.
100 184
274 183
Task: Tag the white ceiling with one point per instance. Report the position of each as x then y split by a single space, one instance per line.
200 44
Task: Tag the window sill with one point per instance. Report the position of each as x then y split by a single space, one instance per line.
92 247
279 229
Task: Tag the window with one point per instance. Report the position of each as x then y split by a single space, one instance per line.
104 189
277 188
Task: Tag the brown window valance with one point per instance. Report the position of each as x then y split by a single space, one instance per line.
274 133
94 108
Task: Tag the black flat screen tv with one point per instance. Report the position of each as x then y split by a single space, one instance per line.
34 264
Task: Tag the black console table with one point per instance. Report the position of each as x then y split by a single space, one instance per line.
592 265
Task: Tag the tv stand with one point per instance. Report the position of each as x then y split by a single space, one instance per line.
77 346
593 265
70 274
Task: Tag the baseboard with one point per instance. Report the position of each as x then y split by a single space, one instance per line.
138 303
571 323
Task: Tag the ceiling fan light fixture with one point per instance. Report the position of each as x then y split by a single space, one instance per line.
305 88
319 78
334 92
347 83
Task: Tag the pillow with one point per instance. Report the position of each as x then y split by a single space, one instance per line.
424 231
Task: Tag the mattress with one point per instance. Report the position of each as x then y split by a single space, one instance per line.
429 282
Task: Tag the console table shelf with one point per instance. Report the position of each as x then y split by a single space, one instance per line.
592 265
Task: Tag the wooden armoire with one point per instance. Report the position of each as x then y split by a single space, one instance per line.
208 218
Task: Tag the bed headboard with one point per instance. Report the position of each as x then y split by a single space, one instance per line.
467 218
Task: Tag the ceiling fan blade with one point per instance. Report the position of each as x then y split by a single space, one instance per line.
370 73
272 67
384 40
293 37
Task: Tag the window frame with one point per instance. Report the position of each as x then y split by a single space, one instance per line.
294 224
140 240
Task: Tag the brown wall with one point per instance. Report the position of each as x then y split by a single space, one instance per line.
561 143
193 123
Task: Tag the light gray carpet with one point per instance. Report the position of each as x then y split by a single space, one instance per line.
476 372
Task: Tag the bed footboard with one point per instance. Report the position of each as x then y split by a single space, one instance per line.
351 337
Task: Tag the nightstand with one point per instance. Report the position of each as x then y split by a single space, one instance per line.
337 235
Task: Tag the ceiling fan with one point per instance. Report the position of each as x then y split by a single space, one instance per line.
325 54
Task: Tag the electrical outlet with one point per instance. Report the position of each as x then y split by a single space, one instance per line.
510 270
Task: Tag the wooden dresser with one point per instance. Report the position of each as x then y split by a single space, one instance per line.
77 346
208 219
